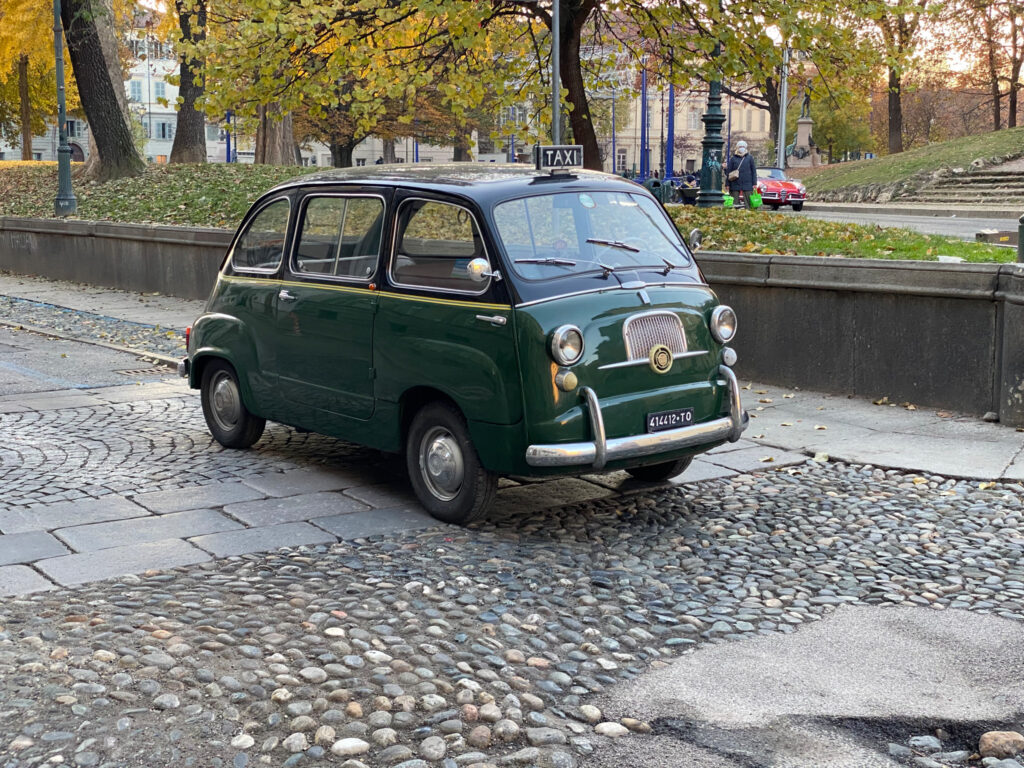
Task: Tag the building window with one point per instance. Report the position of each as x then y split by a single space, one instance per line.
750 121
73 129
693 120
160 89
164 130
212 133
763 116
161 159
135 90
620 160
691 166
360 162
37 155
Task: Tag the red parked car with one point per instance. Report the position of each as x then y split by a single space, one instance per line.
777 190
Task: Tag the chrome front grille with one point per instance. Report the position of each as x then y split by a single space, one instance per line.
643 331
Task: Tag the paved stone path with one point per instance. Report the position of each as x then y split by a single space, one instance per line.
98 483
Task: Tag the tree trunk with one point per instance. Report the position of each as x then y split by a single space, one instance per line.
190 134
26 109
341 155
1011 107
86 24
572 78
389 151
895 112
462 153
275 143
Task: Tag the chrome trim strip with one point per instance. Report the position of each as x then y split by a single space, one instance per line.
601 451
596 427
645 361
603 290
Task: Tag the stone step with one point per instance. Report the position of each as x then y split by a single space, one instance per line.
1001 202
942 194
993 184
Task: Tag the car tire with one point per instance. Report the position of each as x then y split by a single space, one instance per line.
774 206
230 422
798 206
658 473
444 468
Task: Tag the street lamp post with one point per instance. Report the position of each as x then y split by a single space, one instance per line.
556 75
710 194
65 203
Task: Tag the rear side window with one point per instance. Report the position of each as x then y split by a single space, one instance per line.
340 237
261 247
436 242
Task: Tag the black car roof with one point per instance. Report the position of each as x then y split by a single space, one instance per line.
489 182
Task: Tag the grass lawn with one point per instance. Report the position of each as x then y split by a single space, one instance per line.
957 153
211 195
746 231
218 195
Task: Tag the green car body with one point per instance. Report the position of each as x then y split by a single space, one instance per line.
356 344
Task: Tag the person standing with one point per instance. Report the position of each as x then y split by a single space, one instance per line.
741 173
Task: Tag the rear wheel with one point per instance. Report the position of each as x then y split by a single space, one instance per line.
774 206
656 473
798 206
229 420
444 468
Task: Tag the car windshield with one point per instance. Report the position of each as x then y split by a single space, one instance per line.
771 173
565 233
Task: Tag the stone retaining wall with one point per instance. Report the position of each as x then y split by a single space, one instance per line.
941 335
177 261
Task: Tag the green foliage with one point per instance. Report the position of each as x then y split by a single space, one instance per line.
776 233
893 168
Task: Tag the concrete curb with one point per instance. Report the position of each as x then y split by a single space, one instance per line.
916 209
171 362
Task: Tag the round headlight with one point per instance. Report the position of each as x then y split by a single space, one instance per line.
567 344
723 324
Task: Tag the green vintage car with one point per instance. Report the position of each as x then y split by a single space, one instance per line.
483 320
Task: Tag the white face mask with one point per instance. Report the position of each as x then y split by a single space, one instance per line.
741 150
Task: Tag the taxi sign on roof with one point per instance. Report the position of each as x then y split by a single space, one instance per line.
560 156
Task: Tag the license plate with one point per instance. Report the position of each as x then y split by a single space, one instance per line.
681 417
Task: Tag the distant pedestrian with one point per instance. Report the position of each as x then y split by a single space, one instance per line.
741 174
379 161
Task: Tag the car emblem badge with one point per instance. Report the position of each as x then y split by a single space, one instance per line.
661 358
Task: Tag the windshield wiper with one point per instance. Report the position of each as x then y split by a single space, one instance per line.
669 266
555 262
613 244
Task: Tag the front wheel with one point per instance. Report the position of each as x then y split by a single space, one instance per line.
444 468
798 206
657 473
229 420
774 206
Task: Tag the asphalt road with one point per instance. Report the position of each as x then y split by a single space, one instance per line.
953 226
32 362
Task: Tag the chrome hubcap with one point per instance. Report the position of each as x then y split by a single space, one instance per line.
441 463
225 401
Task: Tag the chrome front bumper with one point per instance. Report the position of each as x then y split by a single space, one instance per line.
598 453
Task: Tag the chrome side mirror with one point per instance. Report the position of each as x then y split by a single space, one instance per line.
696 238
479 270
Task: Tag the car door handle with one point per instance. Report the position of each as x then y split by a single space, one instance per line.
285 295
493 319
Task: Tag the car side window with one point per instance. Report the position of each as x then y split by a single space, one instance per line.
340 237
261 247
436 242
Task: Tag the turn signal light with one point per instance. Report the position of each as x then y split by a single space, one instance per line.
188 335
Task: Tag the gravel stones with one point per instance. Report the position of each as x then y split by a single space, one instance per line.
610 729
1000 744
350 747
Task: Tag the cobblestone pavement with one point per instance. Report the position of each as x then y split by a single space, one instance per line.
484 646
117 480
